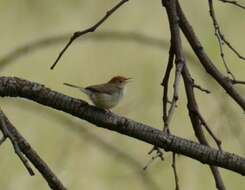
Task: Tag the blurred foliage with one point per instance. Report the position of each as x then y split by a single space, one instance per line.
66 143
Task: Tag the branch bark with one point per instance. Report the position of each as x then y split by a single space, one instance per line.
16 87
206 61
192 105
33 157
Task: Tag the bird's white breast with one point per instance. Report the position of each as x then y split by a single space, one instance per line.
106 101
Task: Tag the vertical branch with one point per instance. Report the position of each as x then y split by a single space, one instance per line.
197 123
175 50
171 9
173 22
164 83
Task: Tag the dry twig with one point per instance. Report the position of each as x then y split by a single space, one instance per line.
220 37
22 147
88 30
175 172
171 8
7 134
235 3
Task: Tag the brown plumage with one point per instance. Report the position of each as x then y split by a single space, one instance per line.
106 95
118 78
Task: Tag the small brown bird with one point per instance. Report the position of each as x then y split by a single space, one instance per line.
106 95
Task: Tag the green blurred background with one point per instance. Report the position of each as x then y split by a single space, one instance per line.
86 157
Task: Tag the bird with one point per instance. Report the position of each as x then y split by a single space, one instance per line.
106 95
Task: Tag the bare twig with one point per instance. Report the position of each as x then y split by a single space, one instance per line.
15 144
237 82
201 88
206 61
22 147
231 47
235 3
164 83
177 51
90 29
197 123
220 37
159 154
175 171
173 22
171 8
165 103
178 70
217 141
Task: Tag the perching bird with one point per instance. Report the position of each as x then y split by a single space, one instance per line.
106 95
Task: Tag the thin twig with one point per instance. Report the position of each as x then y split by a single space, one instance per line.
90 29
177 52
197 123
178 70
220 37
22 147
15 144
199 87
206 62
235 3
188 81
159 154
165 103
175 171
164 83
217 141
231 47
237 82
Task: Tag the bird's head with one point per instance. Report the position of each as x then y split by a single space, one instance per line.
120 81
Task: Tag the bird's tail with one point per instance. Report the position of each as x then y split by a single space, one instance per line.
72 85
78 87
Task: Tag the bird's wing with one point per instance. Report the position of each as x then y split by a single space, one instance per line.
101 89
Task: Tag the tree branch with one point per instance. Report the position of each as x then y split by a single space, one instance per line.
192 105
233 2
15 143
23 147
220 37
90 29
16 87
205 61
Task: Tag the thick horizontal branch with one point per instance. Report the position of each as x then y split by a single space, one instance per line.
16 87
